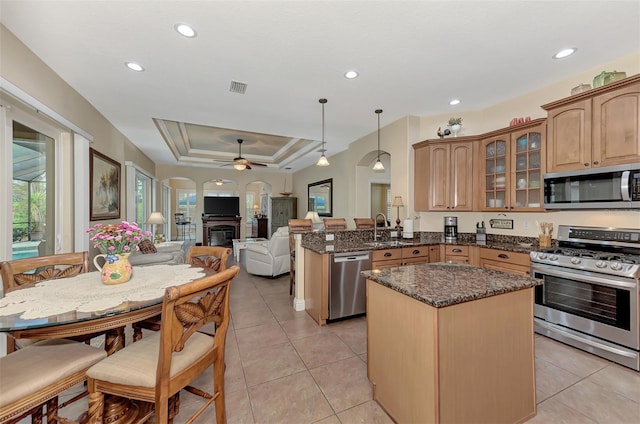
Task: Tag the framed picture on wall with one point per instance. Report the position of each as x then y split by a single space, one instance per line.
104 187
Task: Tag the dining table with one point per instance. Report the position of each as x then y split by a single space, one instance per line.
82 305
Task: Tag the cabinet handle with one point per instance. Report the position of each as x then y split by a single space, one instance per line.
387 254
456 250
596 162
503 256
416 252
586 164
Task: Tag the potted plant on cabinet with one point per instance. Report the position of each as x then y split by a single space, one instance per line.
456 125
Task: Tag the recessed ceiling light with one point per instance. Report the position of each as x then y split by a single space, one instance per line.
186 30
454 102
351 74
565 52
134 66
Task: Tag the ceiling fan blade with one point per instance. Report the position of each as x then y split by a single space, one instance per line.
248 166
257 164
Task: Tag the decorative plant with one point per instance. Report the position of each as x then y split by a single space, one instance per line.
454 121
117 238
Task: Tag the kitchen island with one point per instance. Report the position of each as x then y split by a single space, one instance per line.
449 342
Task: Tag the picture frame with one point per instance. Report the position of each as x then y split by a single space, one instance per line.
104 187
320 197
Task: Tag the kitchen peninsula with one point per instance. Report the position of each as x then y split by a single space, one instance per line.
450 342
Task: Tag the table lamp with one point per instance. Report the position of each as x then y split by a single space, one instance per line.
154 219
397 203
315 218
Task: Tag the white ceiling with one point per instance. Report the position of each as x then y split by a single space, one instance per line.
412 56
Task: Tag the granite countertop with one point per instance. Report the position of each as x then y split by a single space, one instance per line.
445 284
320 246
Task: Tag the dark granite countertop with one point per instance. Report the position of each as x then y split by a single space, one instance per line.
445 284
319 245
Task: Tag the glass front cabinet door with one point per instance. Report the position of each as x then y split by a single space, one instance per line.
513 167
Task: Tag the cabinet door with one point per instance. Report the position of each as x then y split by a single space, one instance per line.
616 125
434 253
569 137
495 172
527 165
438 177
421 179
460 186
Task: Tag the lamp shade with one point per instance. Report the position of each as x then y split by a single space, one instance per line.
397 202
313 216
156 218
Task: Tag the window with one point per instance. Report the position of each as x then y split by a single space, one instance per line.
186 202
144 197
249 208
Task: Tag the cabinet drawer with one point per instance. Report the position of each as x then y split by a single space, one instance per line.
506 267
413 252
456 250
386 264
415 261
454 258
386 254
515 258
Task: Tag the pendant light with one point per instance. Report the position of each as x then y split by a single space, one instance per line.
378 165
323 159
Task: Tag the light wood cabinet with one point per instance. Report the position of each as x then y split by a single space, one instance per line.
282 210
599 127
414 255
455 253
500 260
512 165
316 285
434 253
445 175
386 258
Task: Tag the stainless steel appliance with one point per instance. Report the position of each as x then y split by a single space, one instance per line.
347 288
590 296
450 228
612 187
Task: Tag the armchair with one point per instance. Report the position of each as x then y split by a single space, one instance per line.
272 258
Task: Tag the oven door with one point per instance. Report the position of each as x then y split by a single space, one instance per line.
601 306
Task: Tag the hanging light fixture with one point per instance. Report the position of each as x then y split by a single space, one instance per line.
323 159
378 166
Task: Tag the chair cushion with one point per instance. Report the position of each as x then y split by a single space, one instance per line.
146 246
136 364
41 364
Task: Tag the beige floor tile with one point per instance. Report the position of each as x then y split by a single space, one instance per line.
623 381
599 403
367 413
322 349
269 363
292 399
552 411
285 312
265 335
252 317
344 383
330 420
573 360
238 408
302 326
353 332
551 379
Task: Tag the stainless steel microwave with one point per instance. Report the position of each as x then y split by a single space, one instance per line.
612 187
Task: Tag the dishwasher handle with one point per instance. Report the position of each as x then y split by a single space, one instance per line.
350 257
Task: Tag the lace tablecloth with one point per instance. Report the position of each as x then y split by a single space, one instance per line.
86 293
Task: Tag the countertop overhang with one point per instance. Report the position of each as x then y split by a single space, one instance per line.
445 284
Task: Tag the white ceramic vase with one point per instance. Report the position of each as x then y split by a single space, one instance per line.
455 128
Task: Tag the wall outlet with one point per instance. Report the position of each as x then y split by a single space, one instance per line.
525 224
329 237
329 248
394 234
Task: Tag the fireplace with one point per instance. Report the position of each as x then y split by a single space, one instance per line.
220 231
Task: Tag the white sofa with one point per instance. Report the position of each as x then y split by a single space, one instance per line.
168 254
272 258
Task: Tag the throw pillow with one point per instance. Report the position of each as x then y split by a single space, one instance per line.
146 246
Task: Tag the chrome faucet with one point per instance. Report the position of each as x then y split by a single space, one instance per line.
375 225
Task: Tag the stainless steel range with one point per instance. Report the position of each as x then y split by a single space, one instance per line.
590 296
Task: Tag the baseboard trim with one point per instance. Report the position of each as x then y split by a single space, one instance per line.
298 304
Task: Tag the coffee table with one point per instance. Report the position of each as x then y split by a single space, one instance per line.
239 244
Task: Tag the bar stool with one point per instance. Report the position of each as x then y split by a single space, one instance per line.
181 223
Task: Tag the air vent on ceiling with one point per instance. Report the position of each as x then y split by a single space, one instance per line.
238 87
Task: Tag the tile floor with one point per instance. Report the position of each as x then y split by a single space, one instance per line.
283 368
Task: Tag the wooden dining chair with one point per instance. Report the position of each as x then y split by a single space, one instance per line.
34 376
334 224
214 258
364 223
29 271
157 367
296 226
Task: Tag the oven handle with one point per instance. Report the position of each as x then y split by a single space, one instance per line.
555 272
624 186
555 329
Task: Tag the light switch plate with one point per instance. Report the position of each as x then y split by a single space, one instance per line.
329 237
394 234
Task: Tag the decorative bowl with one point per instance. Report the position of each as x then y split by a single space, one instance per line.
286 194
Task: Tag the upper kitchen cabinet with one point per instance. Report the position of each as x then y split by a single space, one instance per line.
512 166
445 174
599 127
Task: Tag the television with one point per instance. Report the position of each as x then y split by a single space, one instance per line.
222 206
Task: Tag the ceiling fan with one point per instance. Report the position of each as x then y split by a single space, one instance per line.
241 163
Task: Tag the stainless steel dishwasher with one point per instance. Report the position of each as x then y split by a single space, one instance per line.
347 288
